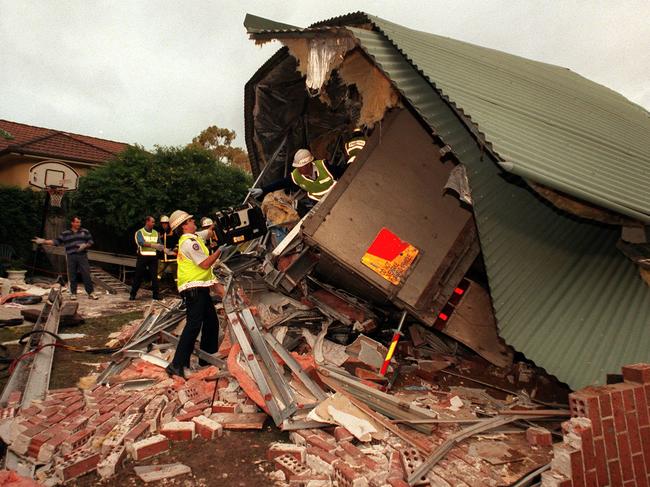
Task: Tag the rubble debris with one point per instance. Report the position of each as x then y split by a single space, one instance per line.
156 473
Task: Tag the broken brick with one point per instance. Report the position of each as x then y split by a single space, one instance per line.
207 428
149 447
178 430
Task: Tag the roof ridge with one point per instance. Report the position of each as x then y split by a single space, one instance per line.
61 131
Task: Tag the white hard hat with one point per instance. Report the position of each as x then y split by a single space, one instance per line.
177 218
164 219
206 222
302 158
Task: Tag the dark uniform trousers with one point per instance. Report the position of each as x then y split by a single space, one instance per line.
78 263
201 317
146 266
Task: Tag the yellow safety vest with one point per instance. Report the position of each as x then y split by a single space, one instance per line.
316 188
149 237
188 273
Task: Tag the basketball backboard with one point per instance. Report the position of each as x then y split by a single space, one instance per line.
48 174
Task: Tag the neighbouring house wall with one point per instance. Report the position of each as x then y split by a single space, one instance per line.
14 169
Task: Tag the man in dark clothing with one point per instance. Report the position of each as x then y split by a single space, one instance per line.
76 241
146 265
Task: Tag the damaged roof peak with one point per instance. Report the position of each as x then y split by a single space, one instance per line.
562 130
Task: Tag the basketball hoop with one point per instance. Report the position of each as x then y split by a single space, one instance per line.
56 195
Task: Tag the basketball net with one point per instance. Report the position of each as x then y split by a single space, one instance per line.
56 195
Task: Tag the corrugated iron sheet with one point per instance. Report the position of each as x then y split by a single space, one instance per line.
554 126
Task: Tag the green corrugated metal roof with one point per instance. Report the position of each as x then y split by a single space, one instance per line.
554 126
563 295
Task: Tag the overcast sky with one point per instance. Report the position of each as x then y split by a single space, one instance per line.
159 72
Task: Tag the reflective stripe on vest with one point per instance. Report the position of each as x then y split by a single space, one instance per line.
150 238
316 188
188 273
353 147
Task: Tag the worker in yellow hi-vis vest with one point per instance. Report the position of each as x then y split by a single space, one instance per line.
194 280
146 264
314 177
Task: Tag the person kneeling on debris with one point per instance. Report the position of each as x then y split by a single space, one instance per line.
194 279
315 177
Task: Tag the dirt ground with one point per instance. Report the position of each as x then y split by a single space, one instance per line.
236 459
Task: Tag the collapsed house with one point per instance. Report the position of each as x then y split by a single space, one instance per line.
548 174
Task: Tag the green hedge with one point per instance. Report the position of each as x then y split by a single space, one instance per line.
20 219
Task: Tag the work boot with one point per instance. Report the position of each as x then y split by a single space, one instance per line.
93 296
172 370
73 297
132 298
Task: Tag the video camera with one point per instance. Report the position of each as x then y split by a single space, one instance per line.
238 225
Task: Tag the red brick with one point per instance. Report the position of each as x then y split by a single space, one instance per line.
601 462
278 449
143 449
625 455
639 373
78 464
178 430
136 433
290 466
588 452
615 474
609 435
224 407
640 471
619 411
633 432
326 456
314 440
577 469
207 428
189 415
77 440
645 443
605 403
539 436
591 478
641 406
342 434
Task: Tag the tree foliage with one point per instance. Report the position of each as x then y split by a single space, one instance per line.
219 141
20 219
120 194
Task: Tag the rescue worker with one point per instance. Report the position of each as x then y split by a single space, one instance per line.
146 264
76 241
194 279
355 144
167 258
315 177
207 234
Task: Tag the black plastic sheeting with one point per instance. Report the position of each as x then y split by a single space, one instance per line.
282 108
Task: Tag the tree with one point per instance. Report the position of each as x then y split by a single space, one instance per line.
114 199
219 141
